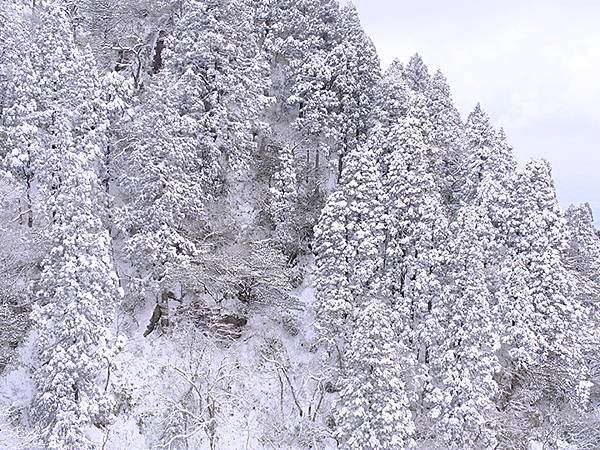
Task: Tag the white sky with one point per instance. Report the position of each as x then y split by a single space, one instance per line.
533 64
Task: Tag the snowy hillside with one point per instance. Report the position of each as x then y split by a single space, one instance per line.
223 226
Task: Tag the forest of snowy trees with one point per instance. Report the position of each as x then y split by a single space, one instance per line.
224 226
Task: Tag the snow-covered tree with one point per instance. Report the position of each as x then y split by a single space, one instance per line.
127 36
296 37
76 293
502 160
195 130
583 251
354 80
415 225
417 75
317 101
284 199
77 289
166 176
20 142
373 408
545 325
20 92
332 268
484 153
52 53
291 30
446 133
335 88
464 363
392 96
215 58
348 242
117 93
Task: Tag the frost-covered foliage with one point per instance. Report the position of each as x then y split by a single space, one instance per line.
21 250
347 244
583 247
466 360
77 292
373 410
77 288
283 200
303 252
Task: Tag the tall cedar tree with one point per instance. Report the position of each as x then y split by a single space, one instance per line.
78 289
373 409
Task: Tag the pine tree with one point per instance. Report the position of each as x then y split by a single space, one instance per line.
494 196
90 119
291 30
117 93
296 37
461 305
503 160
20 143
52 54
373 409
334 90
415 227
363 190
195 131
416 224
166 177
478 148
332 266
354 81
317 101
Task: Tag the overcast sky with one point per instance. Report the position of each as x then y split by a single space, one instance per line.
533 65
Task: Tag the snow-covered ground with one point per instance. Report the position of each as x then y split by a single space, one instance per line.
189 389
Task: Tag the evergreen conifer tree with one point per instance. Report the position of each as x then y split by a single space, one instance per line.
545 325
417 75
78 288
445 135
464 364
348 242
373 409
